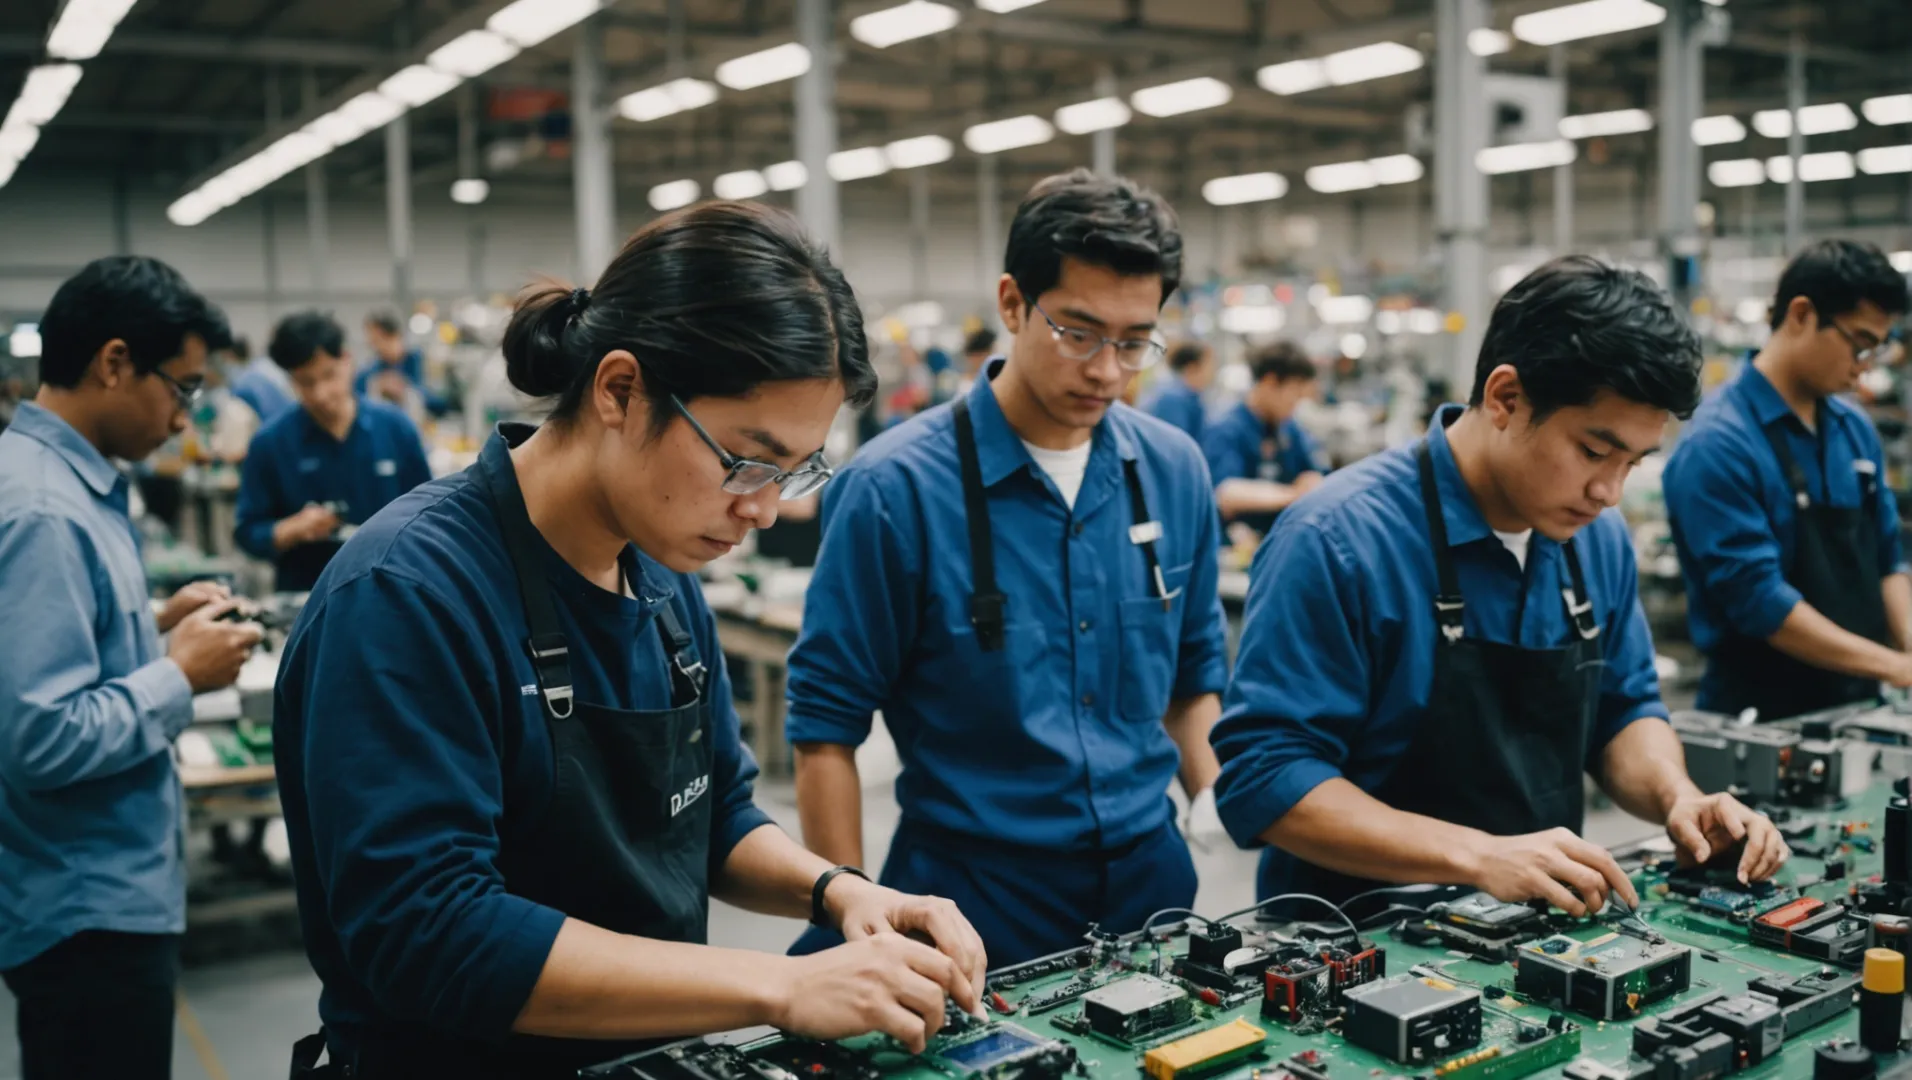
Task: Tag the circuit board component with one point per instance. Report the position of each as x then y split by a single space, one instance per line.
1202 1052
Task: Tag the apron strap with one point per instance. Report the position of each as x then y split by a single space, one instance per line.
688 673
1450 611
1579 602
986 602
550 655
1145 532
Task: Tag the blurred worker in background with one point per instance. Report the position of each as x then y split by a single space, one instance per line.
1258 456
327 465
91 849
1444 637
977 350
1787 532
1176 397
1024 583
260 383
396 371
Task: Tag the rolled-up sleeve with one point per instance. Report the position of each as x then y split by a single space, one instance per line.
1728 542
1630 684
260 504
733 769
62 723
1202 664
405 789
859 615
1300 689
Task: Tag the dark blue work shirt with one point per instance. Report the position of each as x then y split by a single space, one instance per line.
412 367
412 746
1732 509
1233 443
1337 653
1056 740
1177 404
293 461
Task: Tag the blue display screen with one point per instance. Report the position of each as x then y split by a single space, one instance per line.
997 1046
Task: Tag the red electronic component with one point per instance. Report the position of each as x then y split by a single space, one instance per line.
1792 914
1210 997
1349 972
997 1003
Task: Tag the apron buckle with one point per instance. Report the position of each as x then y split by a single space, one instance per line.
1450 615
1582 614
1146 532
558 700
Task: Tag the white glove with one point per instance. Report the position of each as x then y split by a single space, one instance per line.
1203 823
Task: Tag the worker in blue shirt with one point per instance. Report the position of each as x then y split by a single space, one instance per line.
1024 583
396 370
1176 397
260 383
510 765
91 851
321 470
1787 533
1441 639
1260 459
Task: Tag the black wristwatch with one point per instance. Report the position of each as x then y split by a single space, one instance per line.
819 917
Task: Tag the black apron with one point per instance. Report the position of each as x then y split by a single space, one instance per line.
1504 742
623 844
1835 567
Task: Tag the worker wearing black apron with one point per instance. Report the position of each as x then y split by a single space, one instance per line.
1788 536
511 771
1439 645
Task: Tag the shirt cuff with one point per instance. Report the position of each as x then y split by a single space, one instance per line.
162 694
732 830
1250 804
1205 676
1611 730
802 726
1762 615
526 946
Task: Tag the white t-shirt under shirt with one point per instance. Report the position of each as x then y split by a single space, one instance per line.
1517 542
1065 467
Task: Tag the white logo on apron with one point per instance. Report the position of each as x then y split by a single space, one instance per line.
679 803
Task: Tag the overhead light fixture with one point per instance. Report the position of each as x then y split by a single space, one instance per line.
293 151
666 99
1176 98
673 195
858 164
918 152
1396 169
83 27
1247 188
1883 160
418 85
1004 7
44 94
1813 168
737 186
472 53
1718 130
1521 157
533 22
1377 61
1483 41
1344 310
470 191
1098 115
1293 77
904 22
1593 18
1813 120
17 142
1595 125
1341 176
786 61
786 176
1889 110
1252 319
1011 134
1902 261
7 169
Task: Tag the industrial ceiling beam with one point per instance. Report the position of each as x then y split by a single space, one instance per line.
216 48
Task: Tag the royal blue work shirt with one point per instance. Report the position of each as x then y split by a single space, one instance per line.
1056 740
1176 404
89 705
1733 515
1233 443
293 462
1337 653
412 746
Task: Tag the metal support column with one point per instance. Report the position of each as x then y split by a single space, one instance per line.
1104 140
591 177
398 210
317 230
816 125
468 170
1460 188
1562 174
989 227
919 234
1682 60
1796 145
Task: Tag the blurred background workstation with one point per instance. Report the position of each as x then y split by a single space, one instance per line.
1357 182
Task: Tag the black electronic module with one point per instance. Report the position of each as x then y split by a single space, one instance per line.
1137 1008
1413 1020
1608 978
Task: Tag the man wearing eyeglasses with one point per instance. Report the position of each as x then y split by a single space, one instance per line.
91 852
1787 533
1024 583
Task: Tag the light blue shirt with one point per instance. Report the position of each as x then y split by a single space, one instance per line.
90 826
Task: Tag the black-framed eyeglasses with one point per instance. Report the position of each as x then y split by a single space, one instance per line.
1863 353
747 476
186 396
1134 354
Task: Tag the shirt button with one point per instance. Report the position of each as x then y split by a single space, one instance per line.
1078 528
1088 699
1085 626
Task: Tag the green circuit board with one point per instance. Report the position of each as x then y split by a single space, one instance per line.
1724 959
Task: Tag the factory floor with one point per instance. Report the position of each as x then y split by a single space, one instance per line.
239 1018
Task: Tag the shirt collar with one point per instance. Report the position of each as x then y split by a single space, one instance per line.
1760 397
999 450
59 436
1250 421
309 429
1458 508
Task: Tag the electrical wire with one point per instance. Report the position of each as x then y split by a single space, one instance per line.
1149 923
1336 908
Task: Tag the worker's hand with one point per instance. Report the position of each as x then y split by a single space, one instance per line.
188 600
308 526
1700 826
863 909
1899 675
1553 866
391 386
1307 482
211 653
882 982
